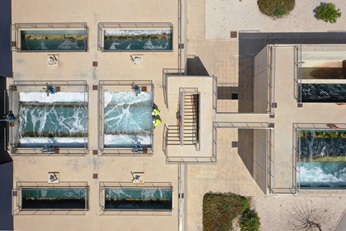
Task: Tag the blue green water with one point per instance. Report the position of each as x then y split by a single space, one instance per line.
322 174
131 40
66 44
325 93
315 148
54 198
54 121
128 119
138 198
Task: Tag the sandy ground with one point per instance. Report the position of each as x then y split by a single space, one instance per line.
223 16
281 213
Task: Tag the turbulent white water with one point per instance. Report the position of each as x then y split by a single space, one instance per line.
121 98
136 32
57 141
119 140
127 119
41 97
68 45
145 193
42 122
322 173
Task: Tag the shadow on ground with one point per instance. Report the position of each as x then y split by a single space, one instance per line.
6 168
194 66
250 44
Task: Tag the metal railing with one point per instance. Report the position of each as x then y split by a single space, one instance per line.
165 139
271 161
102 26
20 185
168 72
179 37
35 86
215 85
298 73
296 151
43 83
17 27
270 146
271 79
183 91
242 125
105 85
114 185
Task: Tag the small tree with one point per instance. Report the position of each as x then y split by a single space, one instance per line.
304 217
328 12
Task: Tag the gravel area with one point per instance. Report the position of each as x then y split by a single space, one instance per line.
281 213
223 16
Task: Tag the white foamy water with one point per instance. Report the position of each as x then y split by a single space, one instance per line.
148 45
68 45
41 97
112 47
121 98
311 172
127 140
57 141
136 32
316 174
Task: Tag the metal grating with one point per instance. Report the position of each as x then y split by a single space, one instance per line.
234 34
234 144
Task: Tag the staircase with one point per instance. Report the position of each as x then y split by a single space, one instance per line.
189 120
173 137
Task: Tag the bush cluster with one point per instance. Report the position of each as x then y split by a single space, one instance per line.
276 8
328 12
220 209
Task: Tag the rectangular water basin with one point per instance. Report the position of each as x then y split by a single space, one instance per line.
135 39
54 198
54 40
138 198
322 93
128 119
57 120
322 159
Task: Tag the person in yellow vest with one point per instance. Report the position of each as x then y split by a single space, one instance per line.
157 122
155 112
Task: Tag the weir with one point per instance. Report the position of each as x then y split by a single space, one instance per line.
322 158
56 121
128 119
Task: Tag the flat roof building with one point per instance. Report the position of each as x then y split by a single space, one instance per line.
114 125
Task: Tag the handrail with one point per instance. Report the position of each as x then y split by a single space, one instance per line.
39 83
179 37
164 139
124 184
257 125
181 119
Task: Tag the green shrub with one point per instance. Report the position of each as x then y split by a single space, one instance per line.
328 12
250 221
220 209
276 8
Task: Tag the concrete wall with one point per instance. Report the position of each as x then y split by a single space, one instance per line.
260 157
6 218
5 39
260 81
